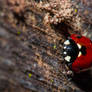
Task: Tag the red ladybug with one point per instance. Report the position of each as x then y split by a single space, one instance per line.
78 52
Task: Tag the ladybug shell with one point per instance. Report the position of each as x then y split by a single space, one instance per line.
78 52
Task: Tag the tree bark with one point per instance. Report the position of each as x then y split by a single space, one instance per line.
30 55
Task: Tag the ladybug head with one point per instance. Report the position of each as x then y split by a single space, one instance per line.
70 50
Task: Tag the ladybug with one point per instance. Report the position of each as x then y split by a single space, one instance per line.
77 52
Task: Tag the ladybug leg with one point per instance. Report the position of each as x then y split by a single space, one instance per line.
68 73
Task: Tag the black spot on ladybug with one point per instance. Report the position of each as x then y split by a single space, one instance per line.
83 50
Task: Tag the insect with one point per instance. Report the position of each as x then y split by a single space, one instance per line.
77 52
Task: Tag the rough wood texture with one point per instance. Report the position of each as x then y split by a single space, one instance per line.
31 52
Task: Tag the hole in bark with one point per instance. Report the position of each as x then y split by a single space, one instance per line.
63 28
